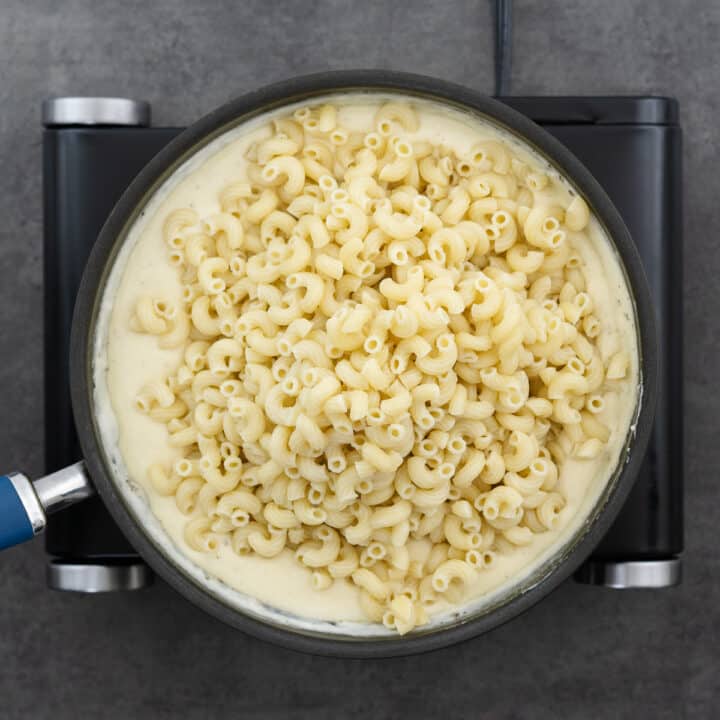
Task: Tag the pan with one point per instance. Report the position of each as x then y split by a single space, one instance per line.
25 505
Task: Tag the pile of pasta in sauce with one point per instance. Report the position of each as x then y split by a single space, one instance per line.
388 352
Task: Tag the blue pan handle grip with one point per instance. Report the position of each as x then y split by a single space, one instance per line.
24 505
21 514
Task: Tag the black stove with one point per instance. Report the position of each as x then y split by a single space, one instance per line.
93 148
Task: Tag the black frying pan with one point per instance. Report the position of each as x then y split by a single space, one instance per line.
23 505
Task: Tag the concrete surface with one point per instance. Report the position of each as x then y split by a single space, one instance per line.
582 653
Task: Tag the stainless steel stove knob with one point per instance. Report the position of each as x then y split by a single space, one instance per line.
95 111
635 574
85 577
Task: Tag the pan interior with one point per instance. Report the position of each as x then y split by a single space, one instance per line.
133 492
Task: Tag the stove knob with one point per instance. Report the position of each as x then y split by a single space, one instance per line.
631 574
95 111
89 577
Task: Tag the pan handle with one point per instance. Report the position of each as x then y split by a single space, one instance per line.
24 505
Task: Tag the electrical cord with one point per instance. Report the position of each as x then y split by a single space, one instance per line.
503 46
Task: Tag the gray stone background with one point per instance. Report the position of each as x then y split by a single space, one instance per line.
581 653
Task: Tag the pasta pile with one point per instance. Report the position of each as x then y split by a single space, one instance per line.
388 352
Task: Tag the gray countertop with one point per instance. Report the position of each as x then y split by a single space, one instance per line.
581 653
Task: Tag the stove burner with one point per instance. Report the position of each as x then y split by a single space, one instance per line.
93 147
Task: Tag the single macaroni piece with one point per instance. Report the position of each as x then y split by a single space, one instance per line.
388 354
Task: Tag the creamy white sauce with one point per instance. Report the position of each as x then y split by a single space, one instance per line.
279 589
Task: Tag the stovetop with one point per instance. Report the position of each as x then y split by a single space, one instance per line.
93 149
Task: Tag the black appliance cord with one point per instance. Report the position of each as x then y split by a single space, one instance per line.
503 46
